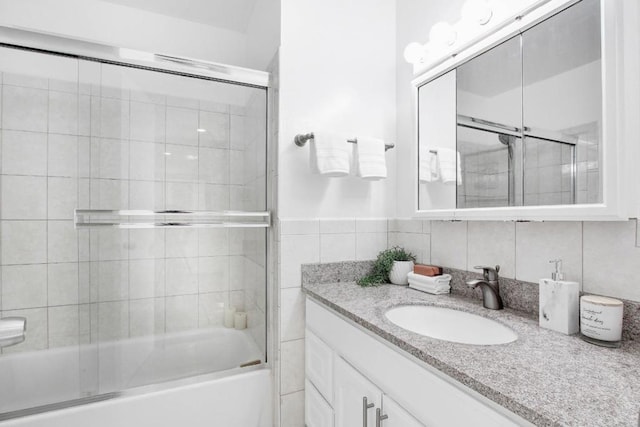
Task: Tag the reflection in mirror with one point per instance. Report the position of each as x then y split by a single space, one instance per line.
489 117
562 108
488 168
437 156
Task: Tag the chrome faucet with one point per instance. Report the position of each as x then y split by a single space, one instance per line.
490 289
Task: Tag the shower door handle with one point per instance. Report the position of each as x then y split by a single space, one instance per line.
12 330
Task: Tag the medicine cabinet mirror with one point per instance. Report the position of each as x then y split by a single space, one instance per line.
519 125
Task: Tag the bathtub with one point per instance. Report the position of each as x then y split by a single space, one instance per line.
183 379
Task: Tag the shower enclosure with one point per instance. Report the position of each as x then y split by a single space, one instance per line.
133 214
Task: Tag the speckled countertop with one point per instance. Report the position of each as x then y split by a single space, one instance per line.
545 377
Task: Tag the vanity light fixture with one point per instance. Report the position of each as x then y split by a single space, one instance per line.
414 53
476 12
442 34
201 130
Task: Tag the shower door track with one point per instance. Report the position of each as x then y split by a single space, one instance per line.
137 391
89 51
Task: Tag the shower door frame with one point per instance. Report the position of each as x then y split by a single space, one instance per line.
50 44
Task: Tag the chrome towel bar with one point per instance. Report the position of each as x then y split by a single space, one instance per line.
302 138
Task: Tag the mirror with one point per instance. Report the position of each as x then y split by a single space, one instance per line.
527 120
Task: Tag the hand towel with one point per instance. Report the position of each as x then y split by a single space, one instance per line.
443 279
449 166
371 163
430 290
330 154
428 167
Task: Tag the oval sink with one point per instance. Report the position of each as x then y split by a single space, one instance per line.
451 325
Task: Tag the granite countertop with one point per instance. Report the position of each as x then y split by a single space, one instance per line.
545 377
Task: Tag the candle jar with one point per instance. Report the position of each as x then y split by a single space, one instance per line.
601 320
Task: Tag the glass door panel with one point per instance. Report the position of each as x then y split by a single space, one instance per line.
562 102
112 308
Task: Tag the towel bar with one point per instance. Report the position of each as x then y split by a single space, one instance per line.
301 139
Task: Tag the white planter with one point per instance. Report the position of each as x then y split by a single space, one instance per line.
399 271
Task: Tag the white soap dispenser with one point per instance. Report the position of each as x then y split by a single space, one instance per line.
559 302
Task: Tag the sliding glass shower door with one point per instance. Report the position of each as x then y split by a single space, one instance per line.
133 216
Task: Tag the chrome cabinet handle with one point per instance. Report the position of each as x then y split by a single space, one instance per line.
380 417
365 407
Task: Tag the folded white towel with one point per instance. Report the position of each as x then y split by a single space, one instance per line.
330 154
438 290
371 163
428 167
449 166
443 279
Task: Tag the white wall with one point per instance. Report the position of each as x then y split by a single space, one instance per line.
337 73
122 26
263 34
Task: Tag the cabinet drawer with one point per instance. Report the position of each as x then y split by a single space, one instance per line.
317 412
319 365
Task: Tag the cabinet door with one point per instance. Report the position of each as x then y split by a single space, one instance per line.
562 108
317 412
397 416
350 389
436 136
319 365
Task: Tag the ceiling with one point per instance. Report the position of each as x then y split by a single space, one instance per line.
230 14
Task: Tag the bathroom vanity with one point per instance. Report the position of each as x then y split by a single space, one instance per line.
533 116
543 378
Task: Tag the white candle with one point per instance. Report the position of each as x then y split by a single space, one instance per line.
601 318
229 314
240 320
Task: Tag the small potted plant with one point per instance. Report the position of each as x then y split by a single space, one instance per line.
392 265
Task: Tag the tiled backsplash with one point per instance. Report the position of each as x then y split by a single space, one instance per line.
601 256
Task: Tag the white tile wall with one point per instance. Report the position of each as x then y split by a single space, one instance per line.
65 145
292 409
539 242
449 244
611 259
490 243
292 368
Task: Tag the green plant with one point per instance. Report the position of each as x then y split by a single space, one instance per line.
383 264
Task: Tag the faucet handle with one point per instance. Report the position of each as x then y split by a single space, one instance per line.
489 273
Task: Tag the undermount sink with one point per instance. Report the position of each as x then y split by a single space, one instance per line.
451 325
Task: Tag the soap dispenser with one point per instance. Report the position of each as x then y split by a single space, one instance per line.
559 302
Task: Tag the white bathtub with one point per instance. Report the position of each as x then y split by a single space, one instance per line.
198 374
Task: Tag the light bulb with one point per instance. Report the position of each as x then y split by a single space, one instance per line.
476 12
442 34
413 53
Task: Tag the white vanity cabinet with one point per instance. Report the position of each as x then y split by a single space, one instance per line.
404 391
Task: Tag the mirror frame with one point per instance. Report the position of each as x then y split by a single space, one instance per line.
616 178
